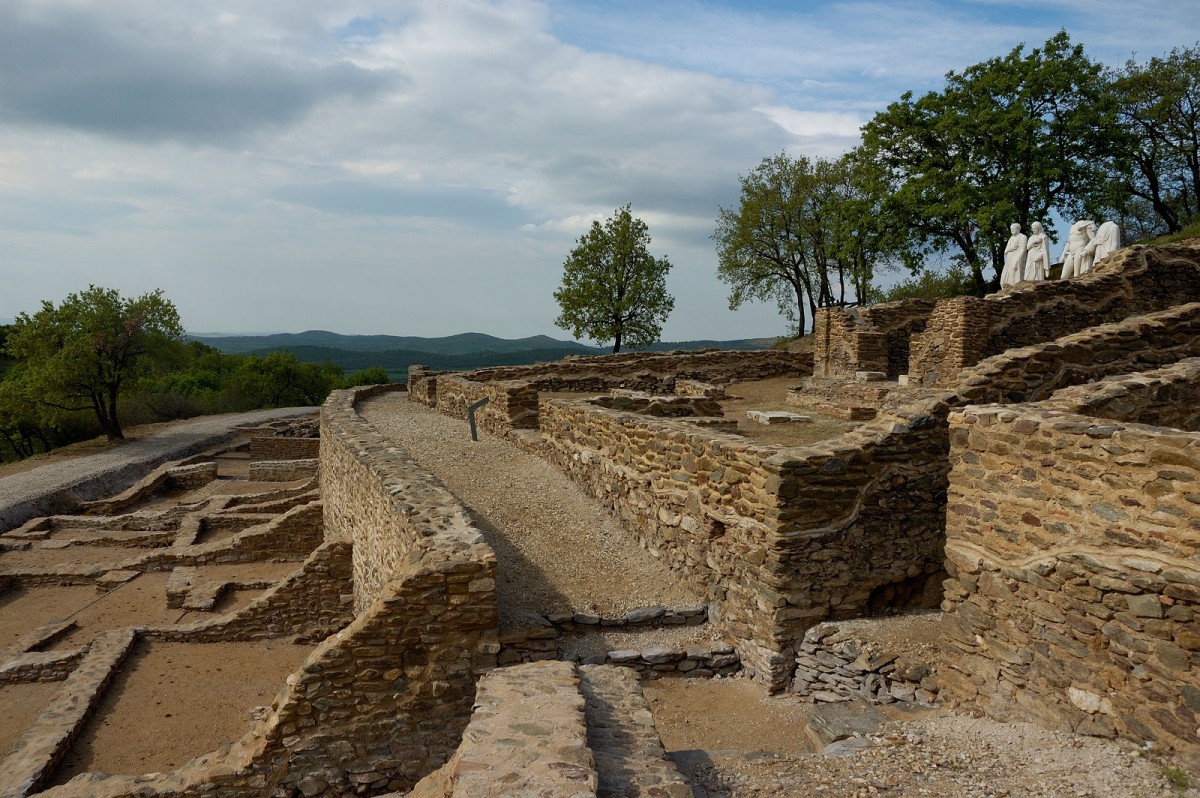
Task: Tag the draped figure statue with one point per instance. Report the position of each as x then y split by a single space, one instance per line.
1014 257
1076 259
1037 254
1106 242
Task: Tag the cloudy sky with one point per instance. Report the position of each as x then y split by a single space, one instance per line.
423 168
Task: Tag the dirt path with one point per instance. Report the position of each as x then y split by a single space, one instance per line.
557 549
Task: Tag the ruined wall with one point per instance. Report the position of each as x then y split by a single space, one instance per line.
779 539
1033 373
1073 544
317 597
1166 397
384 701
277 448
651 371
872 338
1134 281
511 404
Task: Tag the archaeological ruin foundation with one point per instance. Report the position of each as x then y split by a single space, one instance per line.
1027 463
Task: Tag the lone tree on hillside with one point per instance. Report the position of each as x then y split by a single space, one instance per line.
80 354
612 287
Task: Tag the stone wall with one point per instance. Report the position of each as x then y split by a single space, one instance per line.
316 598
277 448
511 404
282 470
872 338
1135 281
655 372
1166 397
384 701
1033 373
777 539
833 665
1072 545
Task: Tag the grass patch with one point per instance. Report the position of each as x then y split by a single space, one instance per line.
1176 776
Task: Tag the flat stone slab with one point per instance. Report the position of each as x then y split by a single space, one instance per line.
828 723
777 417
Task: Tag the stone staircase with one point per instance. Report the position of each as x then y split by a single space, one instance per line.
557 728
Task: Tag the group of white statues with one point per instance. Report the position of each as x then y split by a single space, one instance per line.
1027 258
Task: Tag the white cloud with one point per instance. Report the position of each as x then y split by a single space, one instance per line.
424 167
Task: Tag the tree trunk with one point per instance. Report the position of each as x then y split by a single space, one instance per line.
617 342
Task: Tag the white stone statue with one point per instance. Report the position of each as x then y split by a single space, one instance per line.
1014 257
1037 254
1106 242
1075 257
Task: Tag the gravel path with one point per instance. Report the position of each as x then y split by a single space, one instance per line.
557 550
56 487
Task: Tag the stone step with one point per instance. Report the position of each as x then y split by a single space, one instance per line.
629 754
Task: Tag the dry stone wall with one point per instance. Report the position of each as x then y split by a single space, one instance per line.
1135 281
875 338
1033 373
654 372
1072 545
1166 397
778 539
511 404
316 598
264 447
384 701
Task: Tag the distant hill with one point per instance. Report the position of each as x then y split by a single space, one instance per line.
461 352
462 343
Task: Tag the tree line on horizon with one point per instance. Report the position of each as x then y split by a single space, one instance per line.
1018 138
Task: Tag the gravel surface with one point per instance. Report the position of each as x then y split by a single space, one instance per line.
56 487
557 550
949 755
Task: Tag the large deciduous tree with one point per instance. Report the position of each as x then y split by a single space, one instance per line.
81 353
612 288
802 230
1006 140
1157 162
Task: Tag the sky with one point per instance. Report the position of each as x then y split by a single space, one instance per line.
424 168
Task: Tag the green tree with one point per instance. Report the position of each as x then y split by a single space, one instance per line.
80 354
612 288
803 229
1005 141
1157 162
279 379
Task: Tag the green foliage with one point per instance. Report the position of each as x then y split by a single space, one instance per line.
803 232
1176 776
1006 140
613 289
928 284
1156 163
376 375
82 353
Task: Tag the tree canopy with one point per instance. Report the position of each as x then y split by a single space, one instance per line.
612 288
802 230
1005 141
1156 163
81 353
